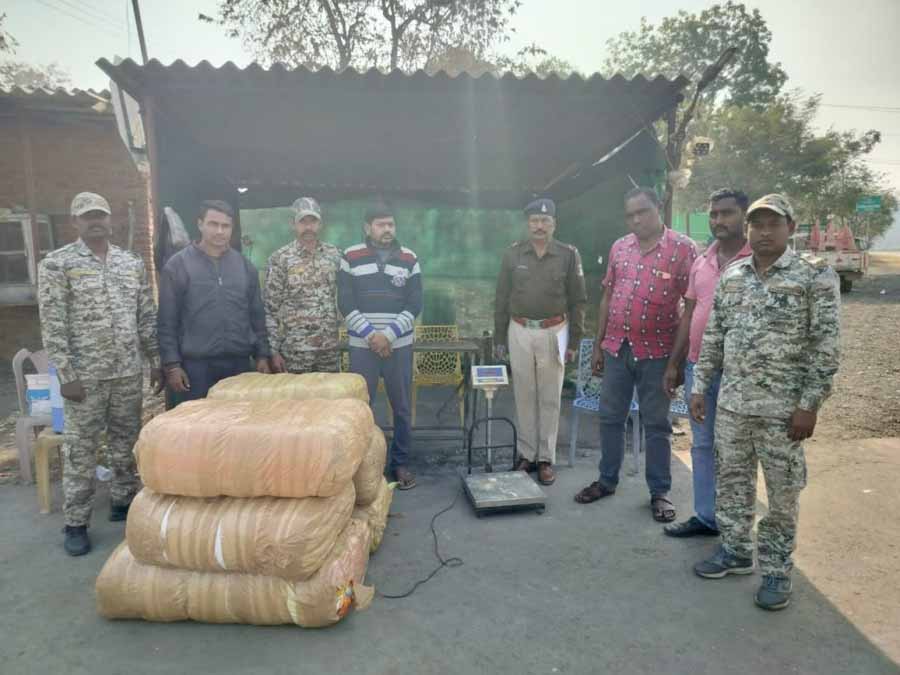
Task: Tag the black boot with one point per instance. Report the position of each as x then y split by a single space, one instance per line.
77 542
118 512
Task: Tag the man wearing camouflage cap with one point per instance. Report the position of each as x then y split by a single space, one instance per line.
97 320
774 331
301 297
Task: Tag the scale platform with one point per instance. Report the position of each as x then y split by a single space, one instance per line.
504 491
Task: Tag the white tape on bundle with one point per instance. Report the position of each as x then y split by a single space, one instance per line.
219 557
163 528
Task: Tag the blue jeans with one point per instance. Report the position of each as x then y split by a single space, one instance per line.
703 455
621 375
396 370
204 373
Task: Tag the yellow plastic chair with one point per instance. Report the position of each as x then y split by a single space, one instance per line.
437 369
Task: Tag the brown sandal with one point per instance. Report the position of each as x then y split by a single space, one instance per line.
405 478
663 509
593 492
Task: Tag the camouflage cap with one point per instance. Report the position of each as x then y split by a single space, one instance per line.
89 201
774 202
306 206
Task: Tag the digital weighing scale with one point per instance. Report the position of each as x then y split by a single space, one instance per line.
503 490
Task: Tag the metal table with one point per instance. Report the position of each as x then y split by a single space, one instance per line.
470 349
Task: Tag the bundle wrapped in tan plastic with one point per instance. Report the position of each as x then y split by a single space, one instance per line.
260 387
287 538
127 589
376 513
370 474
255 448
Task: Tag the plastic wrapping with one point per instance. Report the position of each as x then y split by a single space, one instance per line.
287 538
376 513
370 474
128 589
255 448
260 387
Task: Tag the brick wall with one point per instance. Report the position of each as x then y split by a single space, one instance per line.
71 154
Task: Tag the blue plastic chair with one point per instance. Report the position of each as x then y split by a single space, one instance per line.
587 399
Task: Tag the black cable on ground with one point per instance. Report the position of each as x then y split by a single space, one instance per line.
444 562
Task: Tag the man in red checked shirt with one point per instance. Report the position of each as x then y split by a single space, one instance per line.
645 281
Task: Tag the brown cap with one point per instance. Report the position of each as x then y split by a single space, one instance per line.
774 202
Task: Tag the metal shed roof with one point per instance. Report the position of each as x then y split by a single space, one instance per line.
396 132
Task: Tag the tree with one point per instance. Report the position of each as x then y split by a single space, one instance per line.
779 150
686 43
7 42
403 34
27 76
536 60
531 60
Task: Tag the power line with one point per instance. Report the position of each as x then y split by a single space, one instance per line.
96 26
90 13
870 108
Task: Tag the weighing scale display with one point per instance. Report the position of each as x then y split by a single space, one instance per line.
485 375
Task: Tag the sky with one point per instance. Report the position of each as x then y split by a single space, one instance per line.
847 51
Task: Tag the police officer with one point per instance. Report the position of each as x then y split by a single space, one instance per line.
538 322
301 297
97 320
774 329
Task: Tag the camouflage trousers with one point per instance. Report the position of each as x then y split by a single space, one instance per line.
743 442
113 406
312 361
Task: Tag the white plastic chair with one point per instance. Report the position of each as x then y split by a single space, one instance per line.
28 426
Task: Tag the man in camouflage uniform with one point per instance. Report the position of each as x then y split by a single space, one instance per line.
301 297
774 330
97 319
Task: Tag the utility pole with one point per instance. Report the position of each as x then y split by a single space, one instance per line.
677 133
135 4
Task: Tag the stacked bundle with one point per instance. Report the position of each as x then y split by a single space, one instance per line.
254 511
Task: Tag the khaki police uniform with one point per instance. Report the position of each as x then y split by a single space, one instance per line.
538 313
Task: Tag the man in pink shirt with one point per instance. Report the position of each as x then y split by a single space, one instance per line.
646 278
727 213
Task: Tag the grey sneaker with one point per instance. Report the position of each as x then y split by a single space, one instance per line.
774 592
722 564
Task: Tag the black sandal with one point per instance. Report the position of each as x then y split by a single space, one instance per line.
663 509
593 492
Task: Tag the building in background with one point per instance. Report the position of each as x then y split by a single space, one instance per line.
53 145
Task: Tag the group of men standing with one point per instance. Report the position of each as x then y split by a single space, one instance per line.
749 326
100 324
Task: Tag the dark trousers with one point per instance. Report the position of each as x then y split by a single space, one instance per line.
623 374
396 370
204 373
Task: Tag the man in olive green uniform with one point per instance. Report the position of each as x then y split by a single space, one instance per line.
301 297
97 320
774 331
538 322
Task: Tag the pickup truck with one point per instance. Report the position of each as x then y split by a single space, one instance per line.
850 265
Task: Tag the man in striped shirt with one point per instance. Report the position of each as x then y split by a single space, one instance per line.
380 295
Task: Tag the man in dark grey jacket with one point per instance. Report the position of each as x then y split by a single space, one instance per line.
211 316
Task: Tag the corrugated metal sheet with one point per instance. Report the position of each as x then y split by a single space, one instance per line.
396 132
